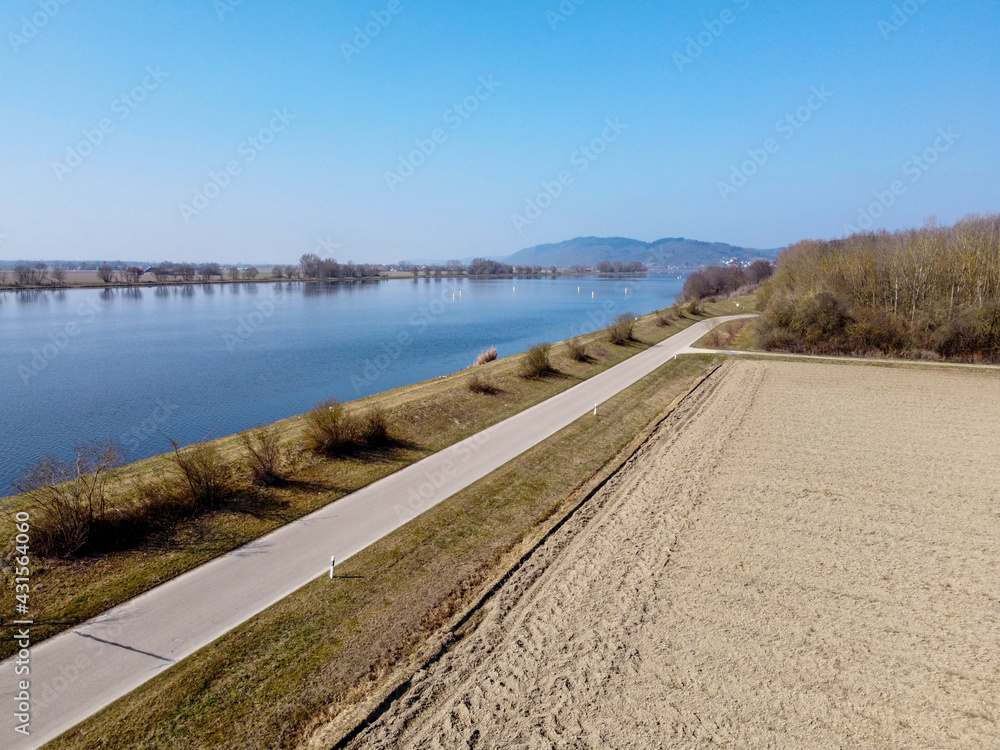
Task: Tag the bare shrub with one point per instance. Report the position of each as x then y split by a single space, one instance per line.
478 384
535 362
726 333
106 273
67 499
622 329
206 475
373 429
487 356
694 307
263 455
578 350
665 318
329 430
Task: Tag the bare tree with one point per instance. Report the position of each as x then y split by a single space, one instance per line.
105 273
66 499
251 273
59 275
163 271
131 275
186 271
278 272
234 273
264 457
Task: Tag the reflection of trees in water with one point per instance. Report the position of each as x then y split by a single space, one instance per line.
328 288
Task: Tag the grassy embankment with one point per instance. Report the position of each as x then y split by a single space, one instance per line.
426 418
314 664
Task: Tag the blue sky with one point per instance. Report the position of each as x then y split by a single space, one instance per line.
341 161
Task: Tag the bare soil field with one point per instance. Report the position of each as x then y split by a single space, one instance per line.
805 555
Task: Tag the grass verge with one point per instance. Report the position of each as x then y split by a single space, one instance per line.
334 647
428 417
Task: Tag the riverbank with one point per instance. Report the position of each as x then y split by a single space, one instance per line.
89 279
426 417
329 647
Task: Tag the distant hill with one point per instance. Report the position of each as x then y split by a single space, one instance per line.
671 252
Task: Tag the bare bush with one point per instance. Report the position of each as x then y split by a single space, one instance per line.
329 430
263 455
666 317
207 476
487 356
535 362
332 431
67 499
622 329
578 350
479 384
373 430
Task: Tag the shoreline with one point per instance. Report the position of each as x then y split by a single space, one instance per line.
399 276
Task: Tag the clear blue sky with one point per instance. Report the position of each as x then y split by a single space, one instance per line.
229 65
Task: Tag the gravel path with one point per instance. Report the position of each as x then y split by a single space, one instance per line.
804 556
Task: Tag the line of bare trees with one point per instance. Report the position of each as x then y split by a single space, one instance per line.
719 281
932 292
314 267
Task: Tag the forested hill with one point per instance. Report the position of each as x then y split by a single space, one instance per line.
671 252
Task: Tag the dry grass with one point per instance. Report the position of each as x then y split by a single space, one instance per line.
487 356
273 680
477 383
536 363
622 329
577 349
427 416
726 335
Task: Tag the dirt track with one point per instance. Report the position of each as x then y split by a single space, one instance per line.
804 556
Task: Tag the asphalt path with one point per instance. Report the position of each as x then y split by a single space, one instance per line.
80 671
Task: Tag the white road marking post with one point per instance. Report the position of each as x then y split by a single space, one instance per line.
333 562
595 410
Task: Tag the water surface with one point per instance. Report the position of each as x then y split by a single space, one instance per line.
200 361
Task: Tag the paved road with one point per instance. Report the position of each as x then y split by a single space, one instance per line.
76 673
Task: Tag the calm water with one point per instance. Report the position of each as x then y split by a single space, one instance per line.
200 361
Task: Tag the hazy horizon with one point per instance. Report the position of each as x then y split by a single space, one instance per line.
254 132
